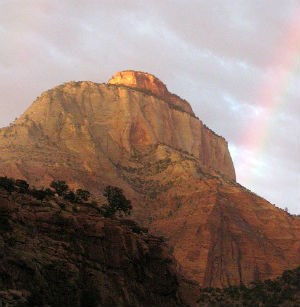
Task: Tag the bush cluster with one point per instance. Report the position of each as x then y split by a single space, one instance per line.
58 187
282 291
117 203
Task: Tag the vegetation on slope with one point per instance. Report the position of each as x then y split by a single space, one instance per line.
53 255
117 203
283 291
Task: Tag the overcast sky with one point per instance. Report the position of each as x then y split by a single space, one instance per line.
236 61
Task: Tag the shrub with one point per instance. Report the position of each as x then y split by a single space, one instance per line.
7 183
39 194
117 202
59 186
82 195
22 186
70 196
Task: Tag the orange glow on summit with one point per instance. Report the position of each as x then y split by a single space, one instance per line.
140 80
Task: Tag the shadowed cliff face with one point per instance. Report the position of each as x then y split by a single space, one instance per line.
223 234
55 257
134 134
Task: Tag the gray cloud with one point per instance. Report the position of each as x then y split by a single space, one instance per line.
219 55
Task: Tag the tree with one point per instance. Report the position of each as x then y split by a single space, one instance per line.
116 202
70 196
82 195
59 186
41 194
22 185
7 183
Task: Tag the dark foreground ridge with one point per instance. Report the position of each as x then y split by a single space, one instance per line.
55 254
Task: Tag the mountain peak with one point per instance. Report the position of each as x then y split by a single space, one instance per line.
178 173
150 84
140 80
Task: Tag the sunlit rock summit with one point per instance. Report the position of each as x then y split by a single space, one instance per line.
151 85
142 81
133 133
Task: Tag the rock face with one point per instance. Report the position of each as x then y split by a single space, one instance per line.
151 85
57 257
134 134
102 124
223 234
141 81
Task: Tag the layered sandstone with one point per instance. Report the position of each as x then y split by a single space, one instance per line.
222 234
177 172
100 125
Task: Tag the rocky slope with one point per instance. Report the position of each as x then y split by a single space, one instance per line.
223 234
51 255
134 134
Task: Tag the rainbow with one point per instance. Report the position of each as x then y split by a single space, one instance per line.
270 97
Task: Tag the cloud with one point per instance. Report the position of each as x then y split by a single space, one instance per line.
219 55
271 177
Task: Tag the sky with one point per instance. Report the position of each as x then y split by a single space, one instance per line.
237 62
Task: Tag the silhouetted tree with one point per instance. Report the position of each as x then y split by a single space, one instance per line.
117 202
59 186
22 186
7 183
70 196
82 195
41 194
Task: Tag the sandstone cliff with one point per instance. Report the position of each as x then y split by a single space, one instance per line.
60 257
102 124
178 173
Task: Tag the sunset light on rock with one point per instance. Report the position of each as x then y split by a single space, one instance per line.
149 153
